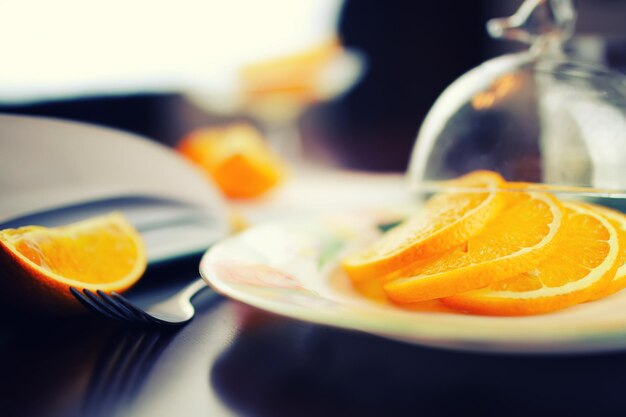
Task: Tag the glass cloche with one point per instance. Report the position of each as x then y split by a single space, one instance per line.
536 116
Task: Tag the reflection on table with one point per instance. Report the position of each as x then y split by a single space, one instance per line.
280 367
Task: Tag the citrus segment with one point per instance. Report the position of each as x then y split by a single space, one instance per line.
236 157
38 264
472 181
519 238
294 77
583 264
618 221
447 220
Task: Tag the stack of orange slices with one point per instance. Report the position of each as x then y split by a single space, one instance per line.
483 250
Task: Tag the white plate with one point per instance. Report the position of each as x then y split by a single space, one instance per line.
56 172
291 268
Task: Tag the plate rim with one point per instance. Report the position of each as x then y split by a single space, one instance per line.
590 338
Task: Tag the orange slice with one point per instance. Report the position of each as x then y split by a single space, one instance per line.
38 264
524 234
584 263
447 220
618 221
236 157
290 76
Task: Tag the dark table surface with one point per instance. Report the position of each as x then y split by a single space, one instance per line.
235 360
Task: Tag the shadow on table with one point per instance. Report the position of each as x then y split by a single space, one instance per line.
74 367
121 369
86 366
285 368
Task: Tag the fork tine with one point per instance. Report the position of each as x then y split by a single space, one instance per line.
108 311
120 308
145 318
89 304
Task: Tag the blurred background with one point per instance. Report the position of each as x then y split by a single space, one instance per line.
353 79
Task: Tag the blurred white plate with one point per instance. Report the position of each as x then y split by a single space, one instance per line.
55 172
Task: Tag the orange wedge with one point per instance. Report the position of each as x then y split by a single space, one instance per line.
292 76
584 264
236 157
524 234
618 221
447 220
38 264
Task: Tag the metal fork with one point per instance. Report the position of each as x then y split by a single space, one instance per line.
174 311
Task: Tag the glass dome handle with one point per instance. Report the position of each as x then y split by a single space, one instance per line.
537 21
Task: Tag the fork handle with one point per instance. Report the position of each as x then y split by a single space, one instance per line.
192 289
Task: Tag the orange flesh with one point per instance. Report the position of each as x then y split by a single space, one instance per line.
583 264
94 256
440 212
236 157
447 220
584 248
618 221
518 239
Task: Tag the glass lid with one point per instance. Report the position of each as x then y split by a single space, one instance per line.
534 116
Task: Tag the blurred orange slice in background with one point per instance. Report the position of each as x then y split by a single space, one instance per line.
583 265
295 76
236 157
447 220
39 264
